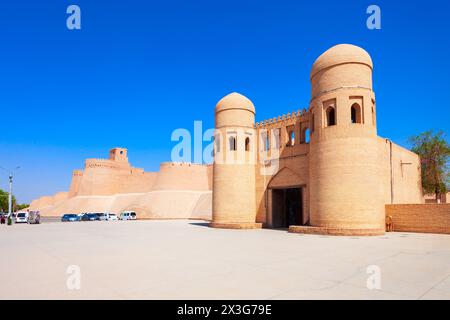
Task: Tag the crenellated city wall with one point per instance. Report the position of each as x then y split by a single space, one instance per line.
178 190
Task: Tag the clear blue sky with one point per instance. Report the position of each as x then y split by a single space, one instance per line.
137 70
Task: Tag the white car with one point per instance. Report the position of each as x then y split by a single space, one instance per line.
103 216
128 215
22 217
112 217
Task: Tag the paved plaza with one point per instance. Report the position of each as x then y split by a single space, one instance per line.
187 260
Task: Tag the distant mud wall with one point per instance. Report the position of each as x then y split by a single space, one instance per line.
177 191
151 205
427 218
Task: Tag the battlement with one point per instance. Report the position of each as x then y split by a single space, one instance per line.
104 163
292 117
183 164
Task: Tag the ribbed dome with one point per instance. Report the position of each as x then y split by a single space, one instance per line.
340 54
235 101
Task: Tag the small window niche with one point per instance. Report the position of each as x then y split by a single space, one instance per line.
374 119
291 136
217 143
276 134
247 144
232 143
264 140
356 114
330 115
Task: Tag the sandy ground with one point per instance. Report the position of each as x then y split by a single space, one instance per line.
187 260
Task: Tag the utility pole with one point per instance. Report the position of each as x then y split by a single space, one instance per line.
10 191
10 195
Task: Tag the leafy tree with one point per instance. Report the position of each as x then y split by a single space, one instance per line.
21 206
4 200
434 152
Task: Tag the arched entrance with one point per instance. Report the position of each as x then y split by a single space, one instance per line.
287 208
286 200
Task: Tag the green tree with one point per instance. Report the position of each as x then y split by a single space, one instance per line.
21 206
434 152
4 201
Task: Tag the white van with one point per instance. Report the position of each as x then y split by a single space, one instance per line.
108 216
128 215
22 217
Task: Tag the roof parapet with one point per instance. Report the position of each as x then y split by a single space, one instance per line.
295 115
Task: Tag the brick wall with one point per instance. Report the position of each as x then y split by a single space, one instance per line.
428 218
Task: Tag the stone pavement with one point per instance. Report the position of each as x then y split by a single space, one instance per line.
187 260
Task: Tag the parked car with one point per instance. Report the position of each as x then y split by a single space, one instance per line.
22 217
112 217
70 217
128 215
90 217
102 216
107 216
34 217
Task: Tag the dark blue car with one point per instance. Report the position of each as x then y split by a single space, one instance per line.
90 217
70 217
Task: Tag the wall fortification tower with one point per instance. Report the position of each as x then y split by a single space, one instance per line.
346 186
118 155
234 164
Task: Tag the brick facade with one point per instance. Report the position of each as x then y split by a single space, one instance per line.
427 218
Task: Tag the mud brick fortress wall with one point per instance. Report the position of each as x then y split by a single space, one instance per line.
429 218
178 190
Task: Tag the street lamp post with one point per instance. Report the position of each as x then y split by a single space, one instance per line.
10 195
10 191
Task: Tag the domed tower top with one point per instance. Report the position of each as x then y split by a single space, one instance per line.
235 110
235 100
341 54
343 65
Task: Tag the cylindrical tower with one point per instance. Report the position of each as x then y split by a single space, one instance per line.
234 204
346 187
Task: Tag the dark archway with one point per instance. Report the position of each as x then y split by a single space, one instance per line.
287 207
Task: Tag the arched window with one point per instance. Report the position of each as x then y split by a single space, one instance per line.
373 115
356 113
247 144
305 135
331 116
217 140
291 138
277 137
264 140
232 143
